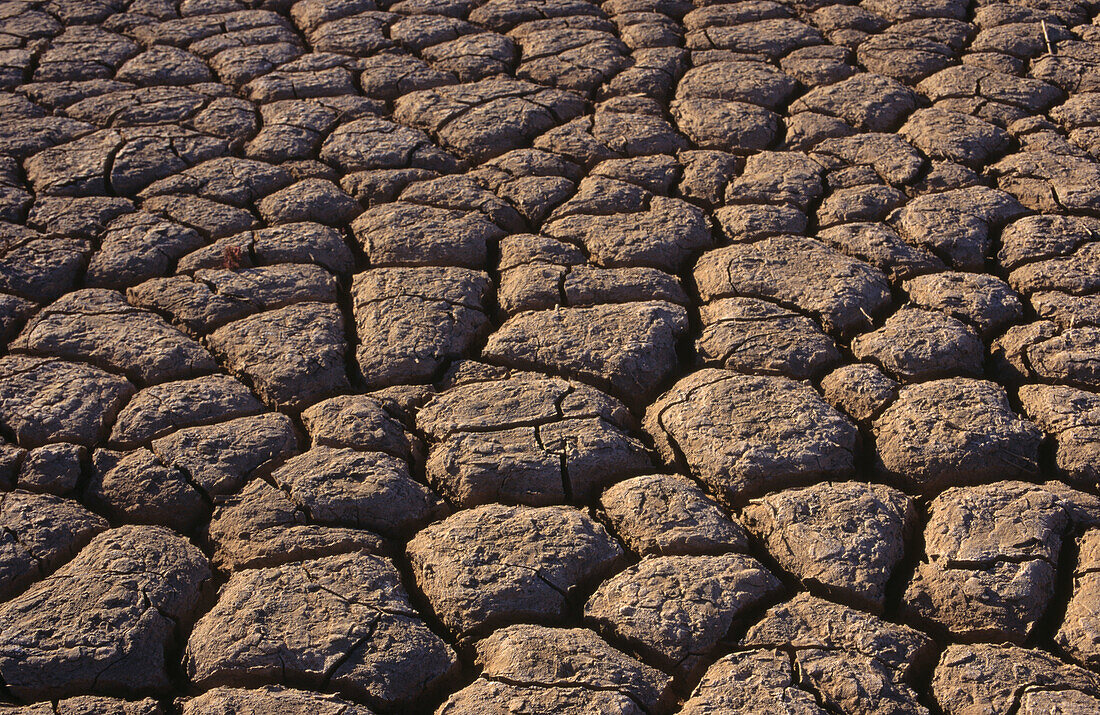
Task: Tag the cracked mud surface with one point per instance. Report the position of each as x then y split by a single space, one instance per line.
549 356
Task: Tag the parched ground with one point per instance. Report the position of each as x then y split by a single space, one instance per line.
549 356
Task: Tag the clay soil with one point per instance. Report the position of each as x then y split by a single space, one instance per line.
542 357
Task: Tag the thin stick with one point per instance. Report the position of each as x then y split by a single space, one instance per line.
1046 36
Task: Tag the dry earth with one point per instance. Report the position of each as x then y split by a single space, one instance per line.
549 356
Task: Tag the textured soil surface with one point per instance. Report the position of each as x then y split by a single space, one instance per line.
546 357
